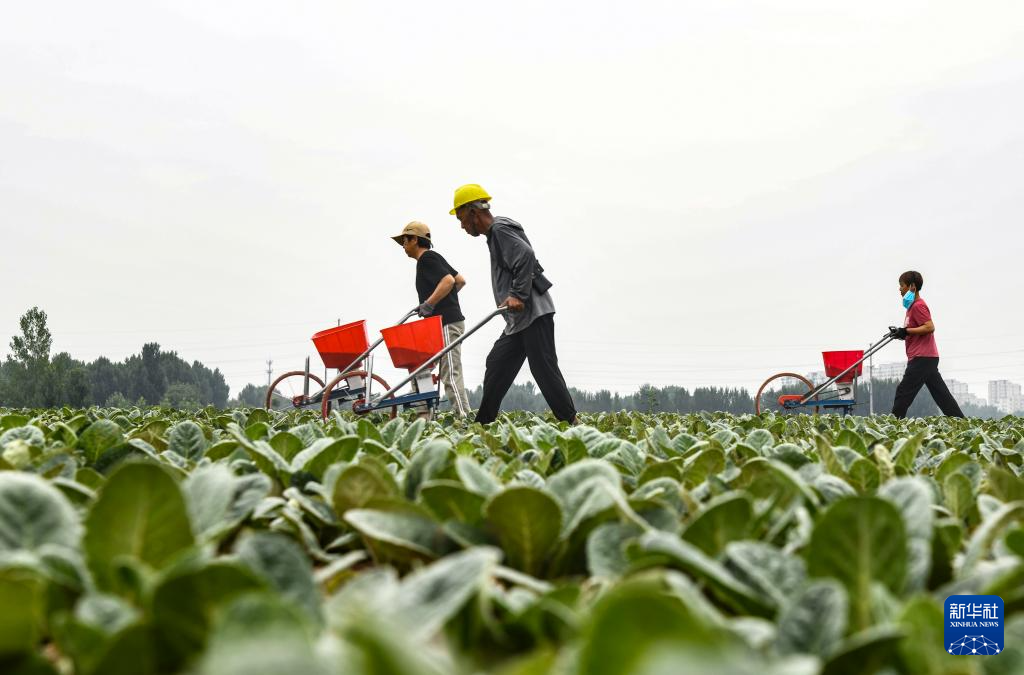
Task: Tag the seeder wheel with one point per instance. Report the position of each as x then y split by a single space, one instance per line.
325 408
783 386
292 384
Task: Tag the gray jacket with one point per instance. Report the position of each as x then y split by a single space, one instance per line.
516 272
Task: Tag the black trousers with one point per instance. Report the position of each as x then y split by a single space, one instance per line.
923 371
537 344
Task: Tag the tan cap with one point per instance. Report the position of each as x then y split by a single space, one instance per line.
415 228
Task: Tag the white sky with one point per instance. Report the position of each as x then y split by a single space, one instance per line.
718 190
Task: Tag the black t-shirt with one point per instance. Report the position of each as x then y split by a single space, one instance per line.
430 269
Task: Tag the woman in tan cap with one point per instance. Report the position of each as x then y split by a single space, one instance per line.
437 286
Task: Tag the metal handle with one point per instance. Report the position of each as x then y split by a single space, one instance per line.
305 381
376 344
828 383
429 363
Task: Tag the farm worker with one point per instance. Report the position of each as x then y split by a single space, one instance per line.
437 286
518 282
922 352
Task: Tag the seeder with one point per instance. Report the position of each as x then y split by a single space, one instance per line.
790 393
416 346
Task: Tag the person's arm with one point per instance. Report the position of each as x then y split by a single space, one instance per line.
460 282
432 266
520 259
922 316
441 291
924 329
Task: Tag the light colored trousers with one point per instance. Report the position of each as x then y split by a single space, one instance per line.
451 370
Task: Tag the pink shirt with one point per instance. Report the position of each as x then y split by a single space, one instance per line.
920 345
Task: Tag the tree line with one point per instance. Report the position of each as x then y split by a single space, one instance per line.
31 378
646 399
676 399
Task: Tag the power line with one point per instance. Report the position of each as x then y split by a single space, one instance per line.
223 327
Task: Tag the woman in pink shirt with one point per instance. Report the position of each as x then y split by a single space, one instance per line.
922 353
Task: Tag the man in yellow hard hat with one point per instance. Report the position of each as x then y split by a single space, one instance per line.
437 286
518 282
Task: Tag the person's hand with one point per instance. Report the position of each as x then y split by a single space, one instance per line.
514 304
899 333
425 310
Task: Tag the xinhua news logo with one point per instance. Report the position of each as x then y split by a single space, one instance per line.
974 625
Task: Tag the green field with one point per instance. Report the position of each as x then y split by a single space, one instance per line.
144 541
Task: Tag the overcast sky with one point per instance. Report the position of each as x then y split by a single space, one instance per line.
719 190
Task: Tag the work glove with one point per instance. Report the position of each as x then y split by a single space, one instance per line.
425 310
900 333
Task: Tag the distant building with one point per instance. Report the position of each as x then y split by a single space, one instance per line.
957 388
888 371
963 396
1005 395
884 371
971 399
1000 389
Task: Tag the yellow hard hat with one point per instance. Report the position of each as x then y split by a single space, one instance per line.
468 193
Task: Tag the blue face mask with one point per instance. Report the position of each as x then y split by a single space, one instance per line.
908 299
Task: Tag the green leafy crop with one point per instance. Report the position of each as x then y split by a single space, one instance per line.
147 541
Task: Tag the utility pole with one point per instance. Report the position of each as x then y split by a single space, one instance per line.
270 371
871 385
